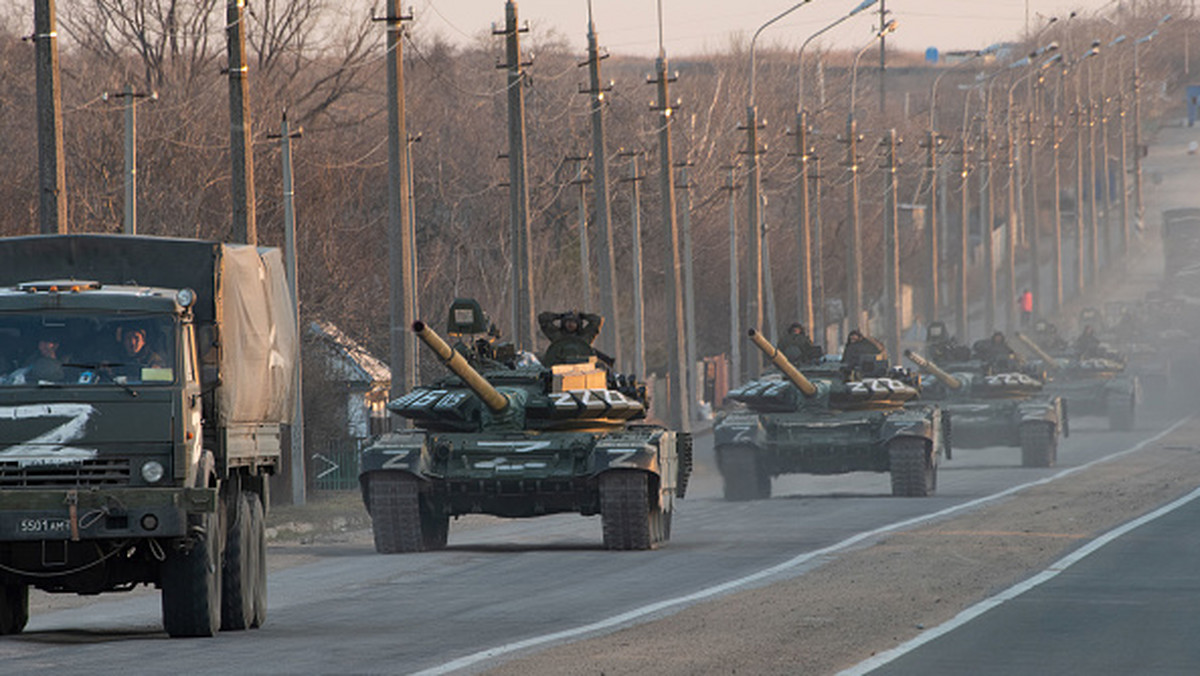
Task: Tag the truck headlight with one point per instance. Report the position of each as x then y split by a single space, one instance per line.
153 472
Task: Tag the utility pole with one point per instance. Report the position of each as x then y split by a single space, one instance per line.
804 299
298 478
818 253
883 22
1093 218
129 103
635 221
241 152
854 252
1124 175
1056 143
754 309
1033 217
689 287
681 417
891 245
414 298
610 341
585 256
964 242
1010 242
932 290
1080 227
401 275
987 215
770 316
735 327
522 314
52 196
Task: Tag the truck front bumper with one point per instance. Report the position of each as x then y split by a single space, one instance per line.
100 513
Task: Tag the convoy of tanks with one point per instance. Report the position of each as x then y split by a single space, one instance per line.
502 432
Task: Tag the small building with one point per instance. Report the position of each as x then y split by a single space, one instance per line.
361 378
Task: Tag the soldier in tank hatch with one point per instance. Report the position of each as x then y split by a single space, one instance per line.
571 336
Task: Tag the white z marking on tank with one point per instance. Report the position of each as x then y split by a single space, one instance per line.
52 446
516 446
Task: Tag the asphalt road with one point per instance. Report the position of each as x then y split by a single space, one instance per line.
1129 607
515 584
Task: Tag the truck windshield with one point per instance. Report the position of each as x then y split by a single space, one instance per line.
43 348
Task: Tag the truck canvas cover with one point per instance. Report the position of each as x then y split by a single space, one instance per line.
240 288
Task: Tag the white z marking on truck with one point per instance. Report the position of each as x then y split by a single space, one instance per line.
50 447
516 446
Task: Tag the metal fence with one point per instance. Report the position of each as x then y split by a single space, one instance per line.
335 468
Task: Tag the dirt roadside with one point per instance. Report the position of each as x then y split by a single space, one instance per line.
874 598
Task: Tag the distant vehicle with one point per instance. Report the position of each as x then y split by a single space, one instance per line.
827 420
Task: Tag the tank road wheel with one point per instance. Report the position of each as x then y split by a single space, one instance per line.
14 608
628 520
435 526
394 501
191 580
1039 444
258 530
1120 414
238 575
914 474
744 478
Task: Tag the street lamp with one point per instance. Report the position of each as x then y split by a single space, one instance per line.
811 286
755 310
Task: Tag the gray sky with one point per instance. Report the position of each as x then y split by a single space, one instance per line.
629 27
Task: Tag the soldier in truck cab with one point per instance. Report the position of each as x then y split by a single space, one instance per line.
136 353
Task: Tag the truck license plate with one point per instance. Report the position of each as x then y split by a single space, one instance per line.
44 526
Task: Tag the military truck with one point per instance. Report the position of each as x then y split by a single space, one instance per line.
1096 386
996 409
826 420
506 436
119 466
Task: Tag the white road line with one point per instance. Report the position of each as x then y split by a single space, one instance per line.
710 592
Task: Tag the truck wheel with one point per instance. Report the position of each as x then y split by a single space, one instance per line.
744 478
1120 414
14 608
1039 444
914 473
238 574
628 520
258 530
394 501
191 580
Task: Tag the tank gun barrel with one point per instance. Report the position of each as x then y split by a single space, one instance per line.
457 363
928 365
1051 362
781 362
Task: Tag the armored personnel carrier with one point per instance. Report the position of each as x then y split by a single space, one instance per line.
498 437
1091 386
826 420
996 409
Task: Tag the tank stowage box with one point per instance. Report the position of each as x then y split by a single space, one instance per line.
521 441
826 421
143 385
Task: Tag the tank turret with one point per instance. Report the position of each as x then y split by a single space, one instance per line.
1050 361
927 365
781 362
456 362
